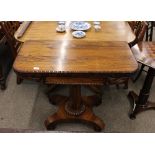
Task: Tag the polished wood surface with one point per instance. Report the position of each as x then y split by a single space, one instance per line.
144 53
75 57
110 31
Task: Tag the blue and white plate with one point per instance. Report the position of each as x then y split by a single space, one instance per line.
79 34
80 26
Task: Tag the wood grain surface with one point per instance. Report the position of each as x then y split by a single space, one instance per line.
75 57
110 31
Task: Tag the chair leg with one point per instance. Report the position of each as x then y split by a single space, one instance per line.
139 73
117 86
3 84
2 81
126 84
19 80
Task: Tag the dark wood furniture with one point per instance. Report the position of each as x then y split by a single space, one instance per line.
132 24
149 35
145 54
9 28
139 28
149 31
6 61
75 63
8 50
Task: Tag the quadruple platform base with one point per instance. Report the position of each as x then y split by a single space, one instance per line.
81 113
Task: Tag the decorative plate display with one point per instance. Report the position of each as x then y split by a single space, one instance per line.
80 26
79 34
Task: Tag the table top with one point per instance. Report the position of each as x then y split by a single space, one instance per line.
75 57
144 53
110 31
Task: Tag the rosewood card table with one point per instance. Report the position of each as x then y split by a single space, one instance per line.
76 63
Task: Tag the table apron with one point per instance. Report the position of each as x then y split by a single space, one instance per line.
68 78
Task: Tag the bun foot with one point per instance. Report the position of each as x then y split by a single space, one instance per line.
51 127
97 129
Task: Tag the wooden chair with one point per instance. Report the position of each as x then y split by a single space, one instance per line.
8 49
149 31
144 53
149 35
132 24
9 28
6 61
139 29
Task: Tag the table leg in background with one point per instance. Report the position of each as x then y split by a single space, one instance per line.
140 102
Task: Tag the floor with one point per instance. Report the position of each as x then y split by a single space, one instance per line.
26 106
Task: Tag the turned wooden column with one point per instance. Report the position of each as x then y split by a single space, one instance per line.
75 105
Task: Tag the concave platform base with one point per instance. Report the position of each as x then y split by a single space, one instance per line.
75 108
